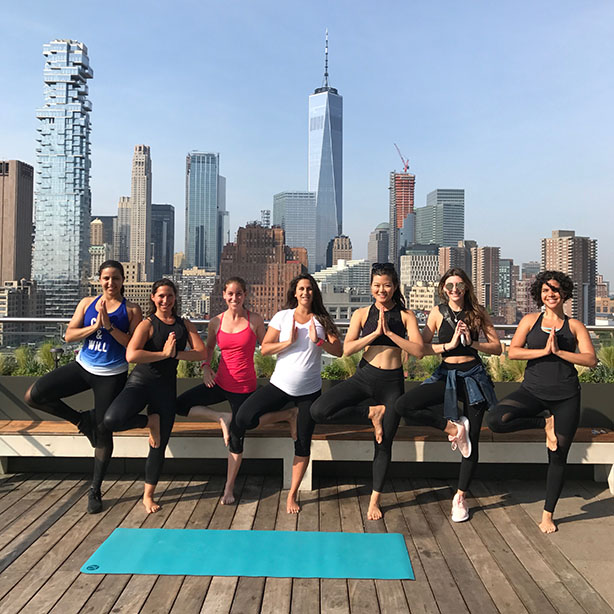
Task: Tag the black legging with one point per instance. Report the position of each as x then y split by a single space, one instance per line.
518 411
203 395
47 394
419 404
268 399
159 394
383 386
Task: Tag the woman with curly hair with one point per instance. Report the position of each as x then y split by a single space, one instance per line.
553 344
458 322
298 334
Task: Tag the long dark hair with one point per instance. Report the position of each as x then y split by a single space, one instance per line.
158 284
387 268
476 316
317 304
113 264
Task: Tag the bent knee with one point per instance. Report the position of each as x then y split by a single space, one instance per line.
493 421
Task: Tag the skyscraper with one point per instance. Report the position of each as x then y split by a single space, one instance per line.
62 193
442 221
379 240
121 235
140 211
163 239
16 189
295 212
339 248
203 197
326 163
577 257
485 276
402 187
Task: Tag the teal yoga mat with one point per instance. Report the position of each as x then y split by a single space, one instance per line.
277 554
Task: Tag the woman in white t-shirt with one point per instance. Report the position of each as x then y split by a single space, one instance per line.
297 334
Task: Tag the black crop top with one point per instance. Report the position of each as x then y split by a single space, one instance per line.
394 321
446 332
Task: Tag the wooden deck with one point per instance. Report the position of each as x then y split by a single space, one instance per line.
497 562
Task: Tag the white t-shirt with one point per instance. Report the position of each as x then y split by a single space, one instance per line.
298 368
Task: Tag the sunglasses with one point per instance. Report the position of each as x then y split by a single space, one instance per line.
382 266
460 286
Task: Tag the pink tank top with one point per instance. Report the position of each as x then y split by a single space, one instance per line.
236 372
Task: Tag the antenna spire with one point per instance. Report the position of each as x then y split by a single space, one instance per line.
326 61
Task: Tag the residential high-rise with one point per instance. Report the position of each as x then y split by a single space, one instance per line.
577 257
62 192
339 248
485 276
507 279
109 222
121 235
261 257
458 257
140 211
326 164
223 219
96 232
205 196
379 240
295 212
531 269
442 221
163 240
20 299
419 263
402 187
16 190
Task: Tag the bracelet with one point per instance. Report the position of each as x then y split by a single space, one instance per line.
443 347
320 342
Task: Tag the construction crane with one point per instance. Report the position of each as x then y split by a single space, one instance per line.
405 162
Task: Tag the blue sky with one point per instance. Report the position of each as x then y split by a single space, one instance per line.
511 101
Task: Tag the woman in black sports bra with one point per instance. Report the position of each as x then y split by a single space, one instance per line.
458 322
552 344
381 331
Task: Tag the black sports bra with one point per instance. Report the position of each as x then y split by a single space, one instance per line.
394 321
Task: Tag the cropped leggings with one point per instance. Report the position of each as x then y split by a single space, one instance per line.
47 394
383 386
203 395
268 399
518 411
420 403
159 395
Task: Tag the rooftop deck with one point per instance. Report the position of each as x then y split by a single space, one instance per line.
499 561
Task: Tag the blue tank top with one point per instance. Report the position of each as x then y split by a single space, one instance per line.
101 354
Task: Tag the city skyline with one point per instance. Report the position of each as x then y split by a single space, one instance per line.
486 106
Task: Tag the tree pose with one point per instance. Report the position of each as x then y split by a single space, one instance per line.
297 334
105 323
457 321
553 344
157 345
236 332
381 331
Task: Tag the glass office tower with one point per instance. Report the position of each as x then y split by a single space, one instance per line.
326 164
62 192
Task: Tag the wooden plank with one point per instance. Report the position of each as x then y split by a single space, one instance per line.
418 592
447 594
495 581
362 595
278 591
249 591
9 483
334 596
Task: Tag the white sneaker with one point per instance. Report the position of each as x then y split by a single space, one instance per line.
460 511
461 439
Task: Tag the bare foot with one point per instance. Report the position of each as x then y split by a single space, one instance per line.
374 512
153 424
151 507
292 423
228 498
547 524
292 506
551 440
376 415
225 420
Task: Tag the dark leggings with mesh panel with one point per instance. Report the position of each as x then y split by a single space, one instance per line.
420 404
159 395
519 411
383 386
47 394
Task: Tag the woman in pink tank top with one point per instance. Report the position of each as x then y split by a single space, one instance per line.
236 332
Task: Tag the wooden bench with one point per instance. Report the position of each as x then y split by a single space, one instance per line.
29 438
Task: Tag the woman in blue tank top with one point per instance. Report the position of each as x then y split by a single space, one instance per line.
553 344
105 323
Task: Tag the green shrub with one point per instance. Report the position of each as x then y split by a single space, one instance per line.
265 365
334 370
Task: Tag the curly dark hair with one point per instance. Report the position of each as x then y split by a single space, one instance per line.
317 304
544 277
